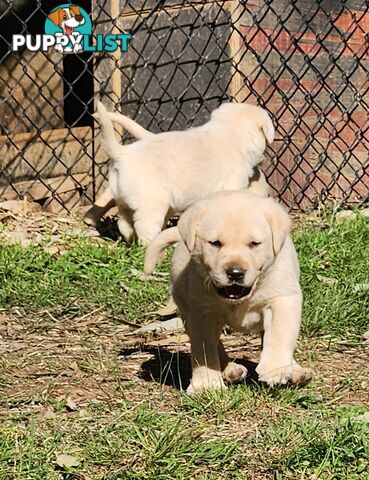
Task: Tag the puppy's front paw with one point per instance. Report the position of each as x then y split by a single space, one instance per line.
204 380
293 374
301 376
234 373
274 375
77 48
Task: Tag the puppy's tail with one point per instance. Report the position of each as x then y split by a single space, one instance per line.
157 246
130 125
108 138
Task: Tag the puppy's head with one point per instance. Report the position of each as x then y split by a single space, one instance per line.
234 237
70 16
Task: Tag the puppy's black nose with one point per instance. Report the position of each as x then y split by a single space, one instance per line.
235 274
79 18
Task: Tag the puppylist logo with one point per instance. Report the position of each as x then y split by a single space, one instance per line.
68 29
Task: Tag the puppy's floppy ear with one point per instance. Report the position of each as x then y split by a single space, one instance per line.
75 9
56 17
188 224
267 127
279 221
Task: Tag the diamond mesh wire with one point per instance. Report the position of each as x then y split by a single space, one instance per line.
305 62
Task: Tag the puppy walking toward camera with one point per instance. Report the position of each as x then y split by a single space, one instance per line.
235 264
161 175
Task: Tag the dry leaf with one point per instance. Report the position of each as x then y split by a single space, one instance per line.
46 413
19 206
364 417
173 340
168 309
165 326
66 461
345 215
71 404
361 287
327 280
53 249
19 236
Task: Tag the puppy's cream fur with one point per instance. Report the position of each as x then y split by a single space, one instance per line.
106 200
242 232
165 173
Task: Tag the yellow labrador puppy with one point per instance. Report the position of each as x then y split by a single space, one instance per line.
163 174
105 201
235 264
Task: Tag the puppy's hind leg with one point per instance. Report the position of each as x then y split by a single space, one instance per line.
102 205
125 221
149 219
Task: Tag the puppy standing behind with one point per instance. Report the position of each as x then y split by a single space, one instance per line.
235 264
163 174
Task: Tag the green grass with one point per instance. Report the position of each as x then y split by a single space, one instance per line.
143 442
334 278
88 276
129 443
145 431
332 448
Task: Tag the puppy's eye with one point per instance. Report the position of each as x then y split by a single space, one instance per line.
254 244
216 243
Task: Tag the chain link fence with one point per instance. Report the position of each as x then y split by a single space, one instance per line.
305 62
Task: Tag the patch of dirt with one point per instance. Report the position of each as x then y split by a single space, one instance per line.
68 362
49 230
49 363
93 357
342 371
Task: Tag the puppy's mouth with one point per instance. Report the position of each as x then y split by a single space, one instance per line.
68 30
234 291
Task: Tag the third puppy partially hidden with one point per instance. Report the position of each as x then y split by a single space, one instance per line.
161 175
235 264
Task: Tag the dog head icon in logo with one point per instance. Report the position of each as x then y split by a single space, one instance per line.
68 23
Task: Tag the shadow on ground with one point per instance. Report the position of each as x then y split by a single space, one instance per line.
108 228
174 368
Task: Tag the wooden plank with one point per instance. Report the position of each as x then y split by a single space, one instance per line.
135 7
47 135
37 189
48 154
68 200
153 78
236 88
117 88
32 86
